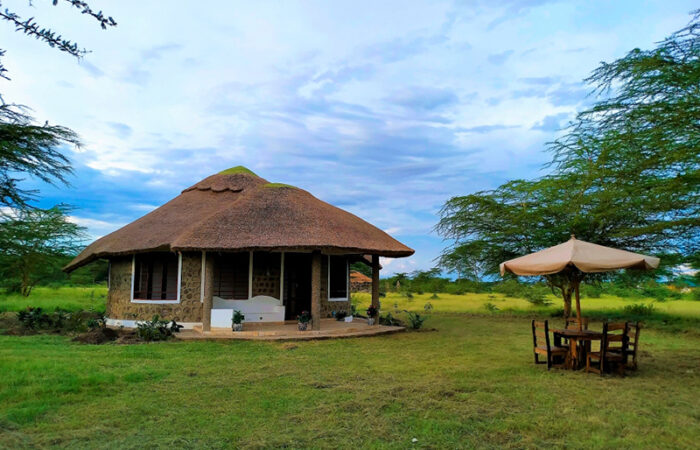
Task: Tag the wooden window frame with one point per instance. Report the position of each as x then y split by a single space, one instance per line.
156 302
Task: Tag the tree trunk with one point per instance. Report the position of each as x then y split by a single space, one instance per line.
567 303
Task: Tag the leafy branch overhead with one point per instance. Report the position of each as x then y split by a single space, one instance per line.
33 29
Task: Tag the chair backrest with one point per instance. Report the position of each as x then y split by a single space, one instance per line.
540 334
633 329
572 323
614 337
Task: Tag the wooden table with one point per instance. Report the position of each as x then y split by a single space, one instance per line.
579 344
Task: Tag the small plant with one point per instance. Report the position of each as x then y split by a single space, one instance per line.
639 309
396 305
156 329
415 320
238 317
34 318
372 311
95 323
303 320
390 320
428 307
434 296
340 316
490 307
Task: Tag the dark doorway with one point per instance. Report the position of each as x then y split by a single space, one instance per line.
297 284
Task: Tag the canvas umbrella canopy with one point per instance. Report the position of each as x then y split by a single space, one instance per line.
582 255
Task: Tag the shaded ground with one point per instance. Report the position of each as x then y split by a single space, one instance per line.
470 384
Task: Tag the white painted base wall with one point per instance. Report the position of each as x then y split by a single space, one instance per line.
132 323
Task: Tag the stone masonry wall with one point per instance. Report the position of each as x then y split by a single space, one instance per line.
119 305
328 307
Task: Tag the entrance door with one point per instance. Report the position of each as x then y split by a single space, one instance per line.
297 284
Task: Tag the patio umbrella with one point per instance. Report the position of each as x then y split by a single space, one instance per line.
585 256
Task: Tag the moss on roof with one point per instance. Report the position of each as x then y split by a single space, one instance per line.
279 185
237 169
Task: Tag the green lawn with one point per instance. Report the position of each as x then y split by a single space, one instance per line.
70 298
471 383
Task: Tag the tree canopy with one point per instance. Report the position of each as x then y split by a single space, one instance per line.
625 173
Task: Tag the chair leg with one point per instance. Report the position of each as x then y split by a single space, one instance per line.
549 361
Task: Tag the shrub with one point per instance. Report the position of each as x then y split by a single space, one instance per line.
592 290
536 297
34 318
156 329
390 320
238 317
490 307
415 320
434 296
639 309
304 317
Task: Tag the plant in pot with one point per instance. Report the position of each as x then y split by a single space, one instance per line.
340 316
237 321
303 320
372 313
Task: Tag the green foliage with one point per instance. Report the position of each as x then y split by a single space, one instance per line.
238 317
238 170
625 173
60 320
415 320
639 309
156 329
490 307
390 320
434 296
33 242
304 317
363 268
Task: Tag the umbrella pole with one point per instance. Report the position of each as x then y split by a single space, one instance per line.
578 305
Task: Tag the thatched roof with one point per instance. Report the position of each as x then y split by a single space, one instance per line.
235 210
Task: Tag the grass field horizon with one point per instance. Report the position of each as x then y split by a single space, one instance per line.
469 383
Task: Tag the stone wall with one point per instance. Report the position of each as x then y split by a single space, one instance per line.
328 307
266 274
119 305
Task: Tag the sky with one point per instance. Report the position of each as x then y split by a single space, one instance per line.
385 109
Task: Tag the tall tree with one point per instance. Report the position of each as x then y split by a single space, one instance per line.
625 173
35 242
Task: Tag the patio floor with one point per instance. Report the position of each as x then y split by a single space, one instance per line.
330 329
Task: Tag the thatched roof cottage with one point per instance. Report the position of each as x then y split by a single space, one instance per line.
236 241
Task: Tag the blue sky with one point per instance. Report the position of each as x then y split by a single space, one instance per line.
386 109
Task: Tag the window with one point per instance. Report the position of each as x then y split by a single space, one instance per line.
156 276
231 275
337 278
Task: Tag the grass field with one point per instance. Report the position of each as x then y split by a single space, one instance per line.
471 383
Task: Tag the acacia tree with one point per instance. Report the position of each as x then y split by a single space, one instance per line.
25 147
624 174
34 241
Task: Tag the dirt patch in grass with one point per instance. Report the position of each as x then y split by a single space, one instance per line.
97 336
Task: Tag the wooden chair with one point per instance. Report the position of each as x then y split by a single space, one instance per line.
542 346
633 330
613 347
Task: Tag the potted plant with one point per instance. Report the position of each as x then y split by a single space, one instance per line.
237 320
340 316
372 313
303 320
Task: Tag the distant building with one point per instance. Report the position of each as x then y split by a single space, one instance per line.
360 282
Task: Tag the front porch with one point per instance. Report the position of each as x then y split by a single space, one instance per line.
266 331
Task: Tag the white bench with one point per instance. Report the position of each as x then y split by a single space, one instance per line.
258 309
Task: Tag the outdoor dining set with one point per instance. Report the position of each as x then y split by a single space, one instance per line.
572 346
567 265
